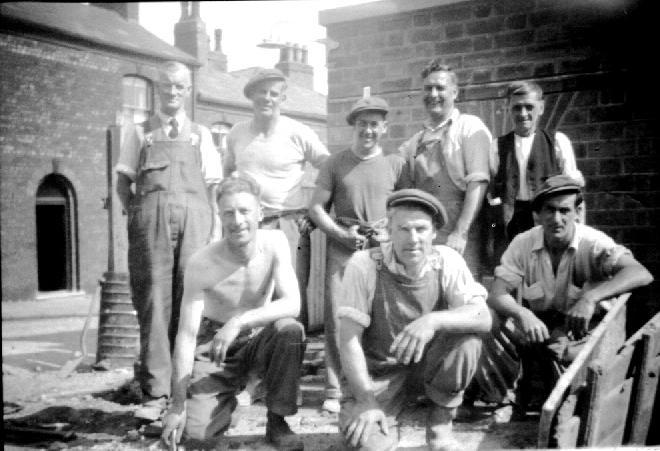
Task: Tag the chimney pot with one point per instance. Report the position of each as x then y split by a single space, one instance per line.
218 40
304 54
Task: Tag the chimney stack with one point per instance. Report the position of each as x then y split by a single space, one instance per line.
293 63
190 32
217 59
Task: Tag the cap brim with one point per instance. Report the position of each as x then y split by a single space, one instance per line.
252 84
351 116
554 192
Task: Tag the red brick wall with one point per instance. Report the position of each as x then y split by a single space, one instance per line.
57 102
589 57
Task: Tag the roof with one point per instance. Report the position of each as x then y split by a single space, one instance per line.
227 87
94 25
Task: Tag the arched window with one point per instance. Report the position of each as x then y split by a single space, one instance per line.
57 243
137 99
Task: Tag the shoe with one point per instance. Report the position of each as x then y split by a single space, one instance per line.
331 405
280 434
152 409
439 427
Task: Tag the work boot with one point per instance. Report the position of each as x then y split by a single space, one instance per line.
439 435
152 409
280 434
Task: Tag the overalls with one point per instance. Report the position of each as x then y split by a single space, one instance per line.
169 219
449 361
431 175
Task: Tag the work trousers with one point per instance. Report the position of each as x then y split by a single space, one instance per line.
274 353
448 365
164 230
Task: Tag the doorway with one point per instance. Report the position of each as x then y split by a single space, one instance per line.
57 252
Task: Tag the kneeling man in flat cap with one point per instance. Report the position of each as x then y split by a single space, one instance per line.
409 318
562 270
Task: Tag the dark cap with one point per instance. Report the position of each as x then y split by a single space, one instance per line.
372 103
421 198
262 75
555 185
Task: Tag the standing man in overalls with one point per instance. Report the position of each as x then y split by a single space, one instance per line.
167 172
449 158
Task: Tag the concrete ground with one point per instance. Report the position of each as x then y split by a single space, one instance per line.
40 337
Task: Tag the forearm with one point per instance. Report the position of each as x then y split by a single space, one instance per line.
324 222
469 318
504 304
184 352
627 279
124 191
474 196
354 367
269 313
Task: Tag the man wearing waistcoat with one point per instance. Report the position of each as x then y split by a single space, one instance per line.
410 315
449 159
525 157
166 175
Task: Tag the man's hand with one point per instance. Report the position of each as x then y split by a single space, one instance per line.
533 328
173 421
305 225
578 317
457 240
366 417
412 340
224 337
352 239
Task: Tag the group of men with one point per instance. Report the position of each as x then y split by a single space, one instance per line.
404 313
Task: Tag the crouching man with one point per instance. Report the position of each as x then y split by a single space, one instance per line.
238 315
563 270
409 318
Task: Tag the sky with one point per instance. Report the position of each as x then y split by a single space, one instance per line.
245 24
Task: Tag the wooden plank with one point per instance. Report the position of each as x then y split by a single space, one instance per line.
574 377
609 416
316 283
644 394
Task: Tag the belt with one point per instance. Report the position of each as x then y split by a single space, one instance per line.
283 213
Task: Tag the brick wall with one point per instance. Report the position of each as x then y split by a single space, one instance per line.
57 103
588 56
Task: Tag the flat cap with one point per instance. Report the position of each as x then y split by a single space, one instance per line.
421 198
261 75
557 184
372 103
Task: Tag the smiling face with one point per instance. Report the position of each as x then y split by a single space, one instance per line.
557 216
440 92
240 214
368 128
412 233
525 111
173 90
267 97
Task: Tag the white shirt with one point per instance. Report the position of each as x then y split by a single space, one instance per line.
133 140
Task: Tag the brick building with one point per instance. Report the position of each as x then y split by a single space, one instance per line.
70 74
589 56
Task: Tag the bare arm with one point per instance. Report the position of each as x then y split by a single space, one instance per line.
317 211
367 413
192 306
124 190
474 196
503 303
628 275
411 342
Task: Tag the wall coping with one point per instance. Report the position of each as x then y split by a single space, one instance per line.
375 9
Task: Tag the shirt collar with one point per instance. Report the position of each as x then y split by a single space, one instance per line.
452 118
165 119
433 261
539 243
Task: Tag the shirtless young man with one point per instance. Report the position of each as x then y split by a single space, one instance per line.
238 315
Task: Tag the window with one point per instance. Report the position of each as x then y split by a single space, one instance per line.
137 99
